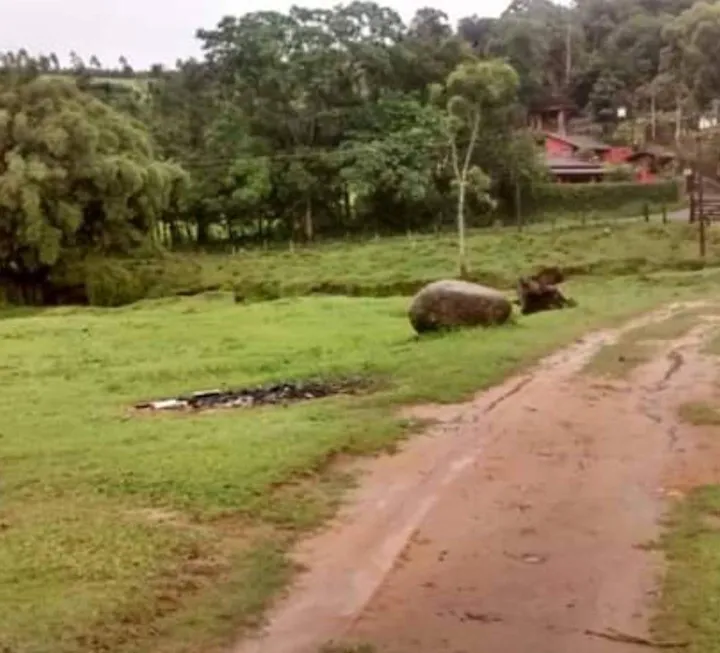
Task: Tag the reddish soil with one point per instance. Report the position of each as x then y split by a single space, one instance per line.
518 523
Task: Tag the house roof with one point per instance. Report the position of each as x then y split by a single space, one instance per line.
579 142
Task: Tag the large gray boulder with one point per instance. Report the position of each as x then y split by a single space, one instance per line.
449 304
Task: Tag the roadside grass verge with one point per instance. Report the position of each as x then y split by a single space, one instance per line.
340 648
688 610
689 605
699 413
169 533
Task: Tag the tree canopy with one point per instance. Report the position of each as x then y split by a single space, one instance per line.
75 176
322 122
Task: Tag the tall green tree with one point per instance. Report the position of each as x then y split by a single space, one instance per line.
474 93
184 108
693 50
392 168
76 178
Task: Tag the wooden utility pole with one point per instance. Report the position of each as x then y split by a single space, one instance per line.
568 53
518 207
562 118
653 116
700 209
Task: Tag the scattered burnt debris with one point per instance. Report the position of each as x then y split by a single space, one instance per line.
263 395
540 292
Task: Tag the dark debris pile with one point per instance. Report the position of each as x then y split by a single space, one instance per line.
270 394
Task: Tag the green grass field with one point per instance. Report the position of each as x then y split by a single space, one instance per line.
169 533
399 266
389 266
136 533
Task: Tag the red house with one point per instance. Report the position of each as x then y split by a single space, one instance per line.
584 159
574 159
571 170
651 161
618 155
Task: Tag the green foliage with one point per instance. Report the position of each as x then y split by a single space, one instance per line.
308 123
77 176
116 282
692 51
109 283
621 173
477 96
389 267
395 159
589 198
317 122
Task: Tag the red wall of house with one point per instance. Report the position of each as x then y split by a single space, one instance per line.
617 155
644 176
643 173
554 147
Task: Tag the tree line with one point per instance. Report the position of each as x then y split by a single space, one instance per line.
325 122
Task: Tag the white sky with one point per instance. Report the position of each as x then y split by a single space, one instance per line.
152 31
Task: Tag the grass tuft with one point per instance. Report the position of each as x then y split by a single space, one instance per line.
342 648
699 413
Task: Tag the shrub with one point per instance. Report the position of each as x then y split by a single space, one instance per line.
588 198
116 282
113 283
619 173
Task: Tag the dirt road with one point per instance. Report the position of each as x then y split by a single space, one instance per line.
518 523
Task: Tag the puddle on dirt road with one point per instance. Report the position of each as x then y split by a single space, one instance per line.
527 504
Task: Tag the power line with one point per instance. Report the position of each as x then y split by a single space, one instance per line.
340 153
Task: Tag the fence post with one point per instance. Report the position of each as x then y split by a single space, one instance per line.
646 212
691 215
664 214
518 207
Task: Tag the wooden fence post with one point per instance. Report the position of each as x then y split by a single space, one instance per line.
700 209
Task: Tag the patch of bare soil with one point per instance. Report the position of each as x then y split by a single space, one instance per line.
519 523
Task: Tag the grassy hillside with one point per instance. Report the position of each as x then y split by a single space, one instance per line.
399 266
